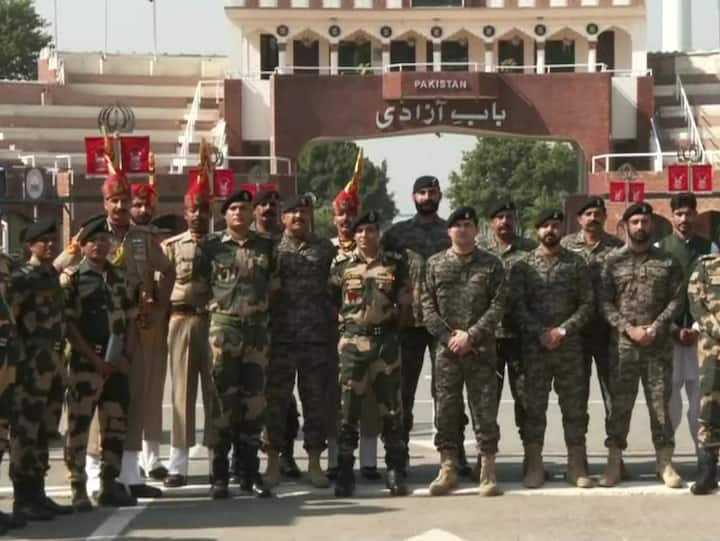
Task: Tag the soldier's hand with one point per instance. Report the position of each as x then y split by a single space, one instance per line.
688 337
556 338
547 341
121 366
636 334
459 343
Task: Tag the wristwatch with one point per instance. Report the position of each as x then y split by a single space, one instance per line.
562 331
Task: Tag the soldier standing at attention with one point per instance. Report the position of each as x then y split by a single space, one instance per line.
372 290
704 294
239 267
301 339
554 302
188 349
38 308
463 301
100 331
642 293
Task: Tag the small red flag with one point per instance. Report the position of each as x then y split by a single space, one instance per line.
637 192
702 177
617 192
95 163
224 183
135 153
678 178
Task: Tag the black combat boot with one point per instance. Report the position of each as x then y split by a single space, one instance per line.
26 503
219 477
394 479
113 494
48 503
288 466
253 480
237 469
345 483
706 481
80 500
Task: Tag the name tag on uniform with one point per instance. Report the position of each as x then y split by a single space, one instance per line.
715 279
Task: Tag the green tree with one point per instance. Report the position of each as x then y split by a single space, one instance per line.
534 174
22 36
325 168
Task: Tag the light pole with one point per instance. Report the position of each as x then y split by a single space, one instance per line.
106 30
55 23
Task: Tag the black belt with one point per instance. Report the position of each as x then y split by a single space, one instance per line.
366 330
187 310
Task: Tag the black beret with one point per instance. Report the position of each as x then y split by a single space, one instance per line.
41 228
295 202
593 202
92 219
547 215
95 227
425 181
637 208
370 217
680 200
241 196
166 222
500 206
462 213
263 197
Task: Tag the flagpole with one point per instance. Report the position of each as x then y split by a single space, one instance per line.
106 29
55 23
154 7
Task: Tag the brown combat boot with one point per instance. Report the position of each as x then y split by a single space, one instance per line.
534 470
318 479
272 471
665 468
488 482
577 474
613 472
447 479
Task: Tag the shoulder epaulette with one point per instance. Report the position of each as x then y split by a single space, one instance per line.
67 274
341 258
708 257
394 255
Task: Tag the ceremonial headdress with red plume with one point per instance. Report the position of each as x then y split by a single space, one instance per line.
348 200
116 183
147 190
198 193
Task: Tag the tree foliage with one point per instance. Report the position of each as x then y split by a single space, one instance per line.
534 174
325 168
22 36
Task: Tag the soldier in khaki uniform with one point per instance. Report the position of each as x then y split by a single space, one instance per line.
187 338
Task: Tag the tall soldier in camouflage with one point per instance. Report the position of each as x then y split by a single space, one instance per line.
36 301
641 294
685 246
239 267
554 302
189 352
100 331
267 222
425 234
302 339
704 295
510 248
594 245
463 301
372 290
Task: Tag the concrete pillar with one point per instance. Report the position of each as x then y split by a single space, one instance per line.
420 59
592 56
676 25
437 55
282 56
385 54
333 58
489 56
540 61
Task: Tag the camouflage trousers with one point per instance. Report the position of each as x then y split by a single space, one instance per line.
371 363
509 353
563 370
629 365
595 347
475 371
88 392
240 352
311 362
6 406
38 398
709 364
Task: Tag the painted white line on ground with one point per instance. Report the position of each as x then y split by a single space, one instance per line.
116 523
435 535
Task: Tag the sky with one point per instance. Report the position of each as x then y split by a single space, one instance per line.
198 26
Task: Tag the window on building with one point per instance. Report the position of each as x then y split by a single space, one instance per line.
560 52
402 52
306 54
511 53
268 54
606 49
437 3
353 56
455 55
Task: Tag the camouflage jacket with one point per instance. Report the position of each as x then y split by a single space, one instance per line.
518 248
370 293
238 275
10 350
301 311
180 251
6 265
704 295
466 293
424 240
641 289
38 305
552 291
595 257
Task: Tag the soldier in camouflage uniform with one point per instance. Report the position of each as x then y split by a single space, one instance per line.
372 290
240 269
554 302
100 314
594 244
301 339
36 301
641 294
463 301
704 295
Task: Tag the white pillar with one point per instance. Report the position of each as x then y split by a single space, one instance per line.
540 61
282 56
420 58
437 56
333 59
489 56
385 53
592 56
676 25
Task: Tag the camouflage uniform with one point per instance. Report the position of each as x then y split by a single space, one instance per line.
465 293
99 306
9 356
36 300
704 295
370 295
301 340
507 335
640 289
595 336
424 240
240 275
553 291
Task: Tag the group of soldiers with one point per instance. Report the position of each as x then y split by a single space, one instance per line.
246 310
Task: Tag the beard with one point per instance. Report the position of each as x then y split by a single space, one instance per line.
428 207
640 236
549 240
